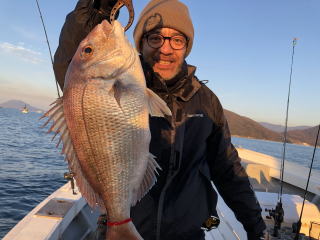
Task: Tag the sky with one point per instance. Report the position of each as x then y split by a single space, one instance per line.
243 48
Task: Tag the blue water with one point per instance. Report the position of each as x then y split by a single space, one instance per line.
294 153
31 168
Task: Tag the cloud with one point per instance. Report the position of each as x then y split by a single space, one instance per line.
22 52
27 33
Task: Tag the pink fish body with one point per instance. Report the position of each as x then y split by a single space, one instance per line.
103 121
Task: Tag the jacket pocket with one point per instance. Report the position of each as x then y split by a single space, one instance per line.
211 194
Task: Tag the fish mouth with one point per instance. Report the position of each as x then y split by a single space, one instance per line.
107 28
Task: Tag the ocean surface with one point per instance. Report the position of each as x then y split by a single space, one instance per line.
31 168
299 154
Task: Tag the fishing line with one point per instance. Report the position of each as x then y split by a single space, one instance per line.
278 213
69 175
48 44
306 190
294 42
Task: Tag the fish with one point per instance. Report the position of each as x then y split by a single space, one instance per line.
103 122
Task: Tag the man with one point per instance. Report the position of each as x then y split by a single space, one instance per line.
194 147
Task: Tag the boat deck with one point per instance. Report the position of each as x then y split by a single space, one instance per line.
64 215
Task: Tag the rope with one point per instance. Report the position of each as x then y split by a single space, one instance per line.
110 224
48 44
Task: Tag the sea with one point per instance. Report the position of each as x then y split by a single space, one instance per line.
31 167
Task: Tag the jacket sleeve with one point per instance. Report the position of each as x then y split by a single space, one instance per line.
229 176
76 27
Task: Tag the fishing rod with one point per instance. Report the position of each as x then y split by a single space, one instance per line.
278 213
294 42
48 44
69 176
297 225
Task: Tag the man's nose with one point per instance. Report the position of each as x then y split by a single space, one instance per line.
166 47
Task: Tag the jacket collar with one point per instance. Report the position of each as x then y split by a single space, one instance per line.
184 87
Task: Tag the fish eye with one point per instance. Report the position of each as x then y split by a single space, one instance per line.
87 51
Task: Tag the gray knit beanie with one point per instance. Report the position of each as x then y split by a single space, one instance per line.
164 13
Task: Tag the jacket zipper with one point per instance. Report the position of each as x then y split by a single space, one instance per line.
170 175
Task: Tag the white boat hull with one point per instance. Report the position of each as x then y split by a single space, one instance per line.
64 215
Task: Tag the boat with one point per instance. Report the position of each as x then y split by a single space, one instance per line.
66 215
25 109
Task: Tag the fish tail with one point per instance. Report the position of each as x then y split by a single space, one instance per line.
125 231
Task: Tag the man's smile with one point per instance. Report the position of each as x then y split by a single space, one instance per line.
162 62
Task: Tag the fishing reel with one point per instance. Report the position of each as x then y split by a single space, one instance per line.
69 176
277 214
296 229
211 223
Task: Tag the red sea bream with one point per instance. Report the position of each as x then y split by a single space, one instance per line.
103 121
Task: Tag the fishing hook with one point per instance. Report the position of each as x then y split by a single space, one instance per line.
116 8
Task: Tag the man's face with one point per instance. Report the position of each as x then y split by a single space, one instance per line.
165 60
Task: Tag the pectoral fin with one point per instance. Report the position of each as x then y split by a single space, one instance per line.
157 107
117 90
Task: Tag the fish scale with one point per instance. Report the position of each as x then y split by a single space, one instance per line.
119 148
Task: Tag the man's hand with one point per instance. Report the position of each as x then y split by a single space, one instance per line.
104 6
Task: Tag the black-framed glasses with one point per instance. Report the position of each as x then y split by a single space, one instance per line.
156 40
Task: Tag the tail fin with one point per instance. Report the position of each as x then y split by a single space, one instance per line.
123 232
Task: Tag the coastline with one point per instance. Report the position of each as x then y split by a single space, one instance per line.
294 143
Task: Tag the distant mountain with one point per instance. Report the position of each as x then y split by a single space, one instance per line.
306 136
17 104
245 127
280 128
